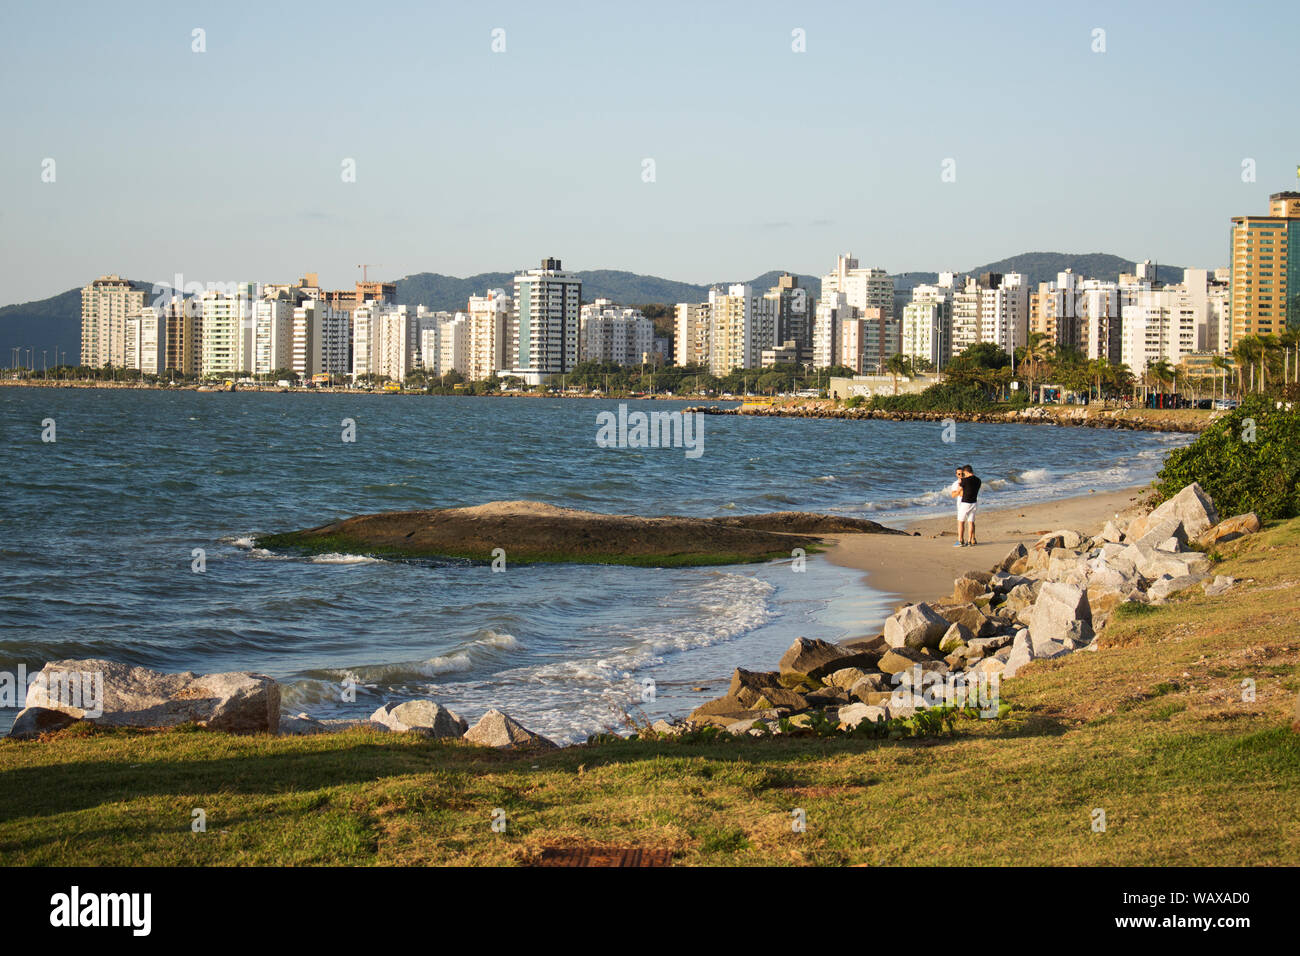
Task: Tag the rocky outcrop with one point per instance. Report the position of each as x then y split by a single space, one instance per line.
495 729
425 717
530 531
113 694
917 625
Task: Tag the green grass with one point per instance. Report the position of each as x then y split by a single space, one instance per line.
1152 728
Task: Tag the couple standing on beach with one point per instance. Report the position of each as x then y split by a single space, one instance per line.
966 489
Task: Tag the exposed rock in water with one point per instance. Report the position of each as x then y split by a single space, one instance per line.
528 531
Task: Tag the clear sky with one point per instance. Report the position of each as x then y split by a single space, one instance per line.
227 165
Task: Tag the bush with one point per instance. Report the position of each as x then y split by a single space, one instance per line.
944 397
1260 475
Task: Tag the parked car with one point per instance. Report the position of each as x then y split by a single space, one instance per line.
1225 404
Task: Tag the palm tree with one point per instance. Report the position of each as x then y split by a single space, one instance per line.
1247 349
1098 368
1039 347
1159 373
1223 365
898 364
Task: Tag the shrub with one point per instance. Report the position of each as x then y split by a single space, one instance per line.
1260 475
944 397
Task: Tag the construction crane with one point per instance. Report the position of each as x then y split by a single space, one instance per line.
365 270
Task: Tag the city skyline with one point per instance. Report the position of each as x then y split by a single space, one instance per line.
768 127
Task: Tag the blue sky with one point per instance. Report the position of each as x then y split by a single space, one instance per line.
225 165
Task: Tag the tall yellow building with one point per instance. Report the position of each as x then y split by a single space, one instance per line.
1266 269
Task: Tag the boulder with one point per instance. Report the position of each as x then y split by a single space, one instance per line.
301 725
1061 612
725 720
31 722
901 659
237 701
1192 506
917 625
1158 533
426 717
817 658
854 714
970 617
1229 529
747 686
1003 582
955 637
1160 590
1016 554
495 729
1112 532
846 677
965 589
1221 584
828 696
1022 652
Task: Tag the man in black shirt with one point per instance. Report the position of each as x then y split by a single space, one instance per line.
970 490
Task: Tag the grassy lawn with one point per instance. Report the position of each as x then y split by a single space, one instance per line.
1152 729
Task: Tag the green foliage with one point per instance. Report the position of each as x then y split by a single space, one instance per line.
943 397
1242 475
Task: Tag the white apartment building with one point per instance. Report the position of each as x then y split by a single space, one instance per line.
741 326
991 308
453 343
927 333
608 333
489 334
146 341
833 310
691 333
105 304
545 327
227 332
272 334
867 289
320 340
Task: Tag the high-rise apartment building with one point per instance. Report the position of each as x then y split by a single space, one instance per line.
489 334
227 330
611 334
320 340
833 310
273 334
794 308
691 333
1265 292
545 326
105 304
867 289
741 325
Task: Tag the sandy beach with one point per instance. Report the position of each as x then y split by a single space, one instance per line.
922 567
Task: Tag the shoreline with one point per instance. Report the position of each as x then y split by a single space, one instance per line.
914 568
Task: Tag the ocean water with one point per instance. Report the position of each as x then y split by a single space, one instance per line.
98 532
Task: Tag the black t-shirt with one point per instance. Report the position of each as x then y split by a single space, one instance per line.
970 489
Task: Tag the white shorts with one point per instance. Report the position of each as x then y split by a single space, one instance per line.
965 511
